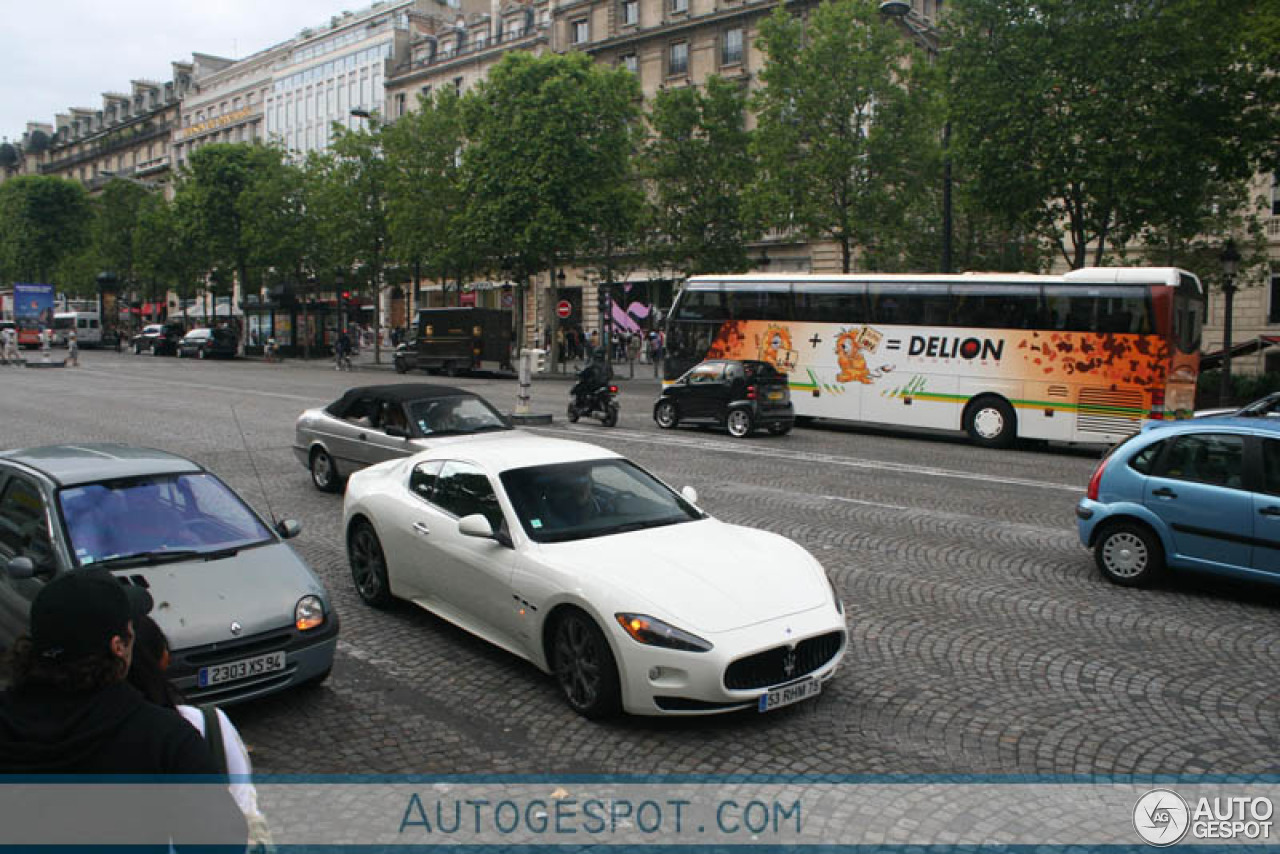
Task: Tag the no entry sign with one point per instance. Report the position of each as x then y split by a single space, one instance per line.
564 308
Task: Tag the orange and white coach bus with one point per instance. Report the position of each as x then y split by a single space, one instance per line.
1080 357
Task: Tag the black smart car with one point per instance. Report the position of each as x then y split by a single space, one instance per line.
741 396
161 339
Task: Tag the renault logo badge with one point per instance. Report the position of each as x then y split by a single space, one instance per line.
236 628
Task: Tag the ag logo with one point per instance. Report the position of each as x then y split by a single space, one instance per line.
1161 817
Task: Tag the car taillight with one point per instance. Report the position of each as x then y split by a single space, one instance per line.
751 392
1096 480
613 389
1157 404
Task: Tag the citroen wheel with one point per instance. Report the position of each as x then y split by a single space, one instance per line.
1128 554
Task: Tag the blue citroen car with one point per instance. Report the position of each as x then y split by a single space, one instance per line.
1201 494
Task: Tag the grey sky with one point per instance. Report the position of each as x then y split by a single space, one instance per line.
56 54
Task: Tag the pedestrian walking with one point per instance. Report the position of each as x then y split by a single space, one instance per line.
73 350
634 347
9 345
269 351
46 343
69 710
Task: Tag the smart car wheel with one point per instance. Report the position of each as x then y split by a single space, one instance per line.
323 472
666 415
739 423
368 565
402 367
584 666
1129 554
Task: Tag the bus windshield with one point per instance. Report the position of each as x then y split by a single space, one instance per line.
1082 357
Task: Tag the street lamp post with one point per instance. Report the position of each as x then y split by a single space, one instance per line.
1230 260
927 36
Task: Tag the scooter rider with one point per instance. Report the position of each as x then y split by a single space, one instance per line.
597 373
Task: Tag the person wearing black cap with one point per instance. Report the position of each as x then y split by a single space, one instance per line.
70 710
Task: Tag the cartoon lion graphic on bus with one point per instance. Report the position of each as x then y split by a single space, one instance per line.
776 349
853 365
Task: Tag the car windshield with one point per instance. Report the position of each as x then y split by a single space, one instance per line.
595 498
150 517
454 414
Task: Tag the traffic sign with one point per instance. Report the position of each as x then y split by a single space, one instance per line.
564 308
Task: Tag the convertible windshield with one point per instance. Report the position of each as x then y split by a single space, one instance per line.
595 498
148 520
456 414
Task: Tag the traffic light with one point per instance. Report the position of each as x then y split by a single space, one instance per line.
346 297
539 360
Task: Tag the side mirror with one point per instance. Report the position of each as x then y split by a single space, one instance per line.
288 528
690 494
396 432
475 525
21 568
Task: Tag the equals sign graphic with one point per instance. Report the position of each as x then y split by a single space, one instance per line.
894 344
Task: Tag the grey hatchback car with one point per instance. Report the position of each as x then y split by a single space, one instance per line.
245 616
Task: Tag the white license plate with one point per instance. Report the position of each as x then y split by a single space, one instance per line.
785 695
245 668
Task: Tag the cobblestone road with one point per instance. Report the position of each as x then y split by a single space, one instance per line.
982 639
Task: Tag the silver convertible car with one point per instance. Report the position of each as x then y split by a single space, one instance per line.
245 616
372 424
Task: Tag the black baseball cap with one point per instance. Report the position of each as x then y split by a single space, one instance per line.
80 611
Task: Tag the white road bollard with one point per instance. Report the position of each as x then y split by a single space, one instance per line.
530 360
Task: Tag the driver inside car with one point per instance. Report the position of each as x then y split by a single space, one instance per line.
573 502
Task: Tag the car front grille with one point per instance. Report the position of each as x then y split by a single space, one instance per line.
218 652
782 663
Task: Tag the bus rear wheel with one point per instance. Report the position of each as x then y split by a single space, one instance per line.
990 422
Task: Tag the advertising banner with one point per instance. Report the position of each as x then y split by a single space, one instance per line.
32 310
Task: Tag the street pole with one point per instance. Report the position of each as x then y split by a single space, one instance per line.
1230 259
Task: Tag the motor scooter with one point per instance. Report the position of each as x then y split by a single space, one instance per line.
601 403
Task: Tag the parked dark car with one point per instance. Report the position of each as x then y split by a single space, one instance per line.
740 396
160 339
208 344
1264 407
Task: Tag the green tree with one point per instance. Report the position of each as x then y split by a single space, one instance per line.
700 165
43 221
349 201
551 139
165 255
114 222
848 129
1089 121
427 200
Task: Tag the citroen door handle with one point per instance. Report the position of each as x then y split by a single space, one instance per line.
1270 511
421 528
1164 492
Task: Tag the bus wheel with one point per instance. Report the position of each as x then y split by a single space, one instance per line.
991 423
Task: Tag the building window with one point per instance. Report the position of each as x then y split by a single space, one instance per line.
426 90
579 31
630 63
457 85
400 104
630 13
678 59
679 5
1273 312
731 47
1275 194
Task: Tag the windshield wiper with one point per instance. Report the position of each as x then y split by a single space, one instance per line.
148 558
628 527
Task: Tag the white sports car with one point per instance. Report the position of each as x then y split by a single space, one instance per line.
578 560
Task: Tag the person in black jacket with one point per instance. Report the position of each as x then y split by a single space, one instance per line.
69 711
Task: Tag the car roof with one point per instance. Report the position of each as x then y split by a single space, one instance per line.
515 451
1228 422
90 462
405 391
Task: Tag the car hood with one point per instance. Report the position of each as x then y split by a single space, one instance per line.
706 576
196 601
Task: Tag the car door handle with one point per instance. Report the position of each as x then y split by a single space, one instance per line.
421 528
1270 511
1164 492
363 438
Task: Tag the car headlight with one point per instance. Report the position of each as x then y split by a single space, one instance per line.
835 596
652 632
308 613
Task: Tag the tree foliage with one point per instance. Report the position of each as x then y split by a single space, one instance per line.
43 221
1090 121
699 166
847 131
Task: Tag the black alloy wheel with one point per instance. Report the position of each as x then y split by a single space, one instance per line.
584 666
368 565
666 415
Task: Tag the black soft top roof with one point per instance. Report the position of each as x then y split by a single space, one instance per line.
399 392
